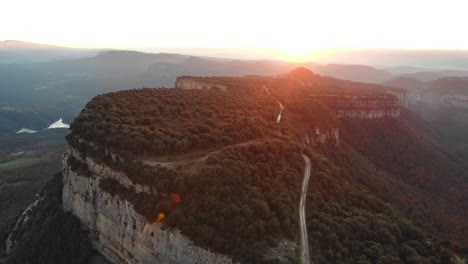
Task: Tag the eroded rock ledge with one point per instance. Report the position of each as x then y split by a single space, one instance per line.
196 83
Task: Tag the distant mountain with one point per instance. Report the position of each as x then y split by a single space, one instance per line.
205 67
14 51
454 73
407 83
445 98
22 45
229 53
127 60
401 70
446 92
425 76
61 88
349 72
449 86
438 59
201 66
444 103
356 73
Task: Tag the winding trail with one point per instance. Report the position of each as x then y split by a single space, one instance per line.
278 119
304 257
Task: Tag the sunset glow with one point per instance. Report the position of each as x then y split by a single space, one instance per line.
295 27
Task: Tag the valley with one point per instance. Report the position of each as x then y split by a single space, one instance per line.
304 256
27 163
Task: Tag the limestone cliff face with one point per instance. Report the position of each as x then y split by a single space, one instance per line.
117 231
319 136
193 83
360 106
402 96
368 107
459 101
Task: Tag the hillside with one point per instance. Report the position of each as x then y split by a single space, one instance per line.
449 59
424 76
27 163
407 83
23 45
443 103
209 171
47 233
402 149
356 73
15 51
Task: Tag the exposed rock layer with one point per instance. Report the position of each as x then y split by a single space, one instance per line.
368 107
193 83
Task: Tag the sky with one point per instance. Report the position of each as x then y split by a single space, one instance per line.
293 27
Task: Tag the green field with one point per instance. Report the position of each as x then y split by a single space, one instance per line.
17 163
9 165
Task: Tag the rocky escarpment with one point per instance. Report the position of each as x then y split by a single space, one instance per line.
321 137
117 231
459 101
402 96
360 106
196 83
368 107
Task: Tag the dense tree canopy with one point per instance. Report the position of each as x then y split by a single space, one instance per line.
236 173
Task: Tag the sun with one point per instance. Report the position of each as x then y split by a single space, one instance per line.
298 52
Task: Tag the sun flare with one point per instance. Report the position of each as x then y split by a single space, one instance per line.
298 53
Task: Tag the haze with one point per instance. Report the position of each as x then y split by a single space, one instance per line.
291 29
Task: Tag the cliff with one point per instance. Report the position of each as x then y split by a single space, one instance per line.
197 83
318 137
343 99
368 107
117 231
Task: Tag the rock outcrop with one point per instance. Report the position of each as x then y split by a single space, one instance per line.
459 101
360 106
117 231
368 107
321 137
195 83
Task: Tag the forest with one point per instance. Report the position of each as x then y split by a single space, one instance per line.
413 170
167 121
240 202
